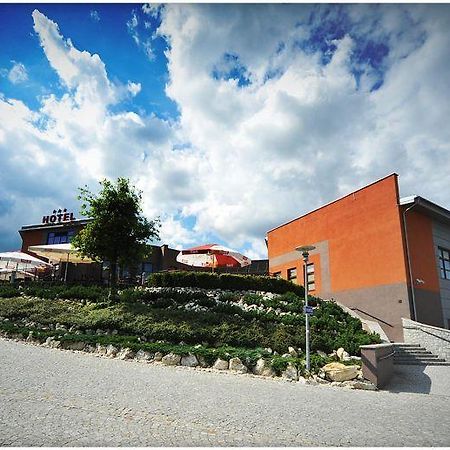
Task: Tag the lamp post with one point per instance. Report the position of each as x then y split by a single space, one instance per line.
304 250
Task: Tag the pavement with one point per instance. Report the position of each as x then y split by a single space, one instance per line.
50 397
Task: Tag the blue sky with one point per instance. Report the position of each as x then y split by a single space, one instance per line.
230 118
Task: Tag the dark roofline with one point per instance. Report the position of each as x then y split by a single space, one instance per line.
332 202
43 226
427 207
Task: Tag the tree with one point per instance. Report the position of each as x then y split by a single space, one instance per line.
118 232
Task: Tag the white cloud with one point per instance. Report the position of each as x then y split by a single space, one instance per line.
94 15
243 157
18 73
134 88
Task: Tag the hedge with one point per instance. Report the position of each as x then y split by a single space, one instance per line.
224 281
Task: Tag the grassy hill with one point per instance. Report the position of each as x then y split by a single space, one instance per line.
205 314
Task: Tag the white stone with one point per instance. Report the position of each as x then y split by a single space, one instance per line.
321 353
100 349
189 361
143 355
236 364
292 352
158 356
341 354
77 345
263 368
125 353
171 359
291 372
220 364
111 351
364 385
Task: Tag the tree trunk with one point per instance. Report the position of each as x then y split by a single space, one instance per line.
113 281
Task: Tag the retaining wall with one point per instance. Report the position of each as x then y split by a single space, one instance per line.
434 339
378 363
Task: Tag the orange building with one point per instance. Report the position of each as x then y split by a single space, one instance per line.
382 256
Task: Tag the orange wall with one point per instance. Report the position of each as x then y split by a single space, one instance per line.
364 235
421 250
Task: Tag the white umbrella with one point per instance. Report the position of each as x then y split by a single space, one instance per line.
60 252
22 260
212 255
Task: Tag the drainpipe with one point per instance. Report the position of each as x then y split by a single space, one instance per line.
413 295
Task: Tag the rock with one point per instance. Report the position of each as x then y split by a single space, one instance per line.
143 355
125 353
291 372
339 372
171 359
236 364
72 328
89 348
78 345
320 380
321 353
342 354
202 361
78 332
336 384
220 364
114 332
286 355
158 356
268 350
292 352
111 351
189 361
303 380
364 385
55 344
99 332
263 368
100 349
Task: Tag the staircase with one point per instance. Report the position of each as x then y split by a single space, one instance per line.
415 355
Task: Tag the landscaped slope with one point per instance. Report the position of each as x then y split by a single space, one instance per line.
211 322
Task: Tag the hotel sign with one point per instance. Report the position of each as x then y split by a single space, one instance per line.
58 216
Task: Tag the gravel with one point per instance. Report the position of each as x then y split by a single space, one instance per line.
50 397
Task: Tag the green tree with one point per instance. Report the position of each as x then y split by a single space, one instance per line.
118 232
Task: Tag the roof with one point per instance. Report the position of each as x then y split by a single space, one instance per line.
43 226
426 207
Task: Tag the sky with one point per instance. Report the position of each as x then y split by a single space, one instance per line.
230 118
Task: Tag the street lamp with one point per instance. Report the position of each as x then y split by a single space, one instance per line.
304 250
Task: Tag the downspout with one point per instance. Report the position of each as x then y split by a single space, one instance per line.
413 295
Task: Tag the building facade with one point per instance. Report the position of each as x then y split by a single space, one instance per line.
383 257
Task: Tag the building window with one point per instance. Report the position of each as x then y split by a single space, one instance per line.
292 274
147 267
444 263
277 275
310 277
61 237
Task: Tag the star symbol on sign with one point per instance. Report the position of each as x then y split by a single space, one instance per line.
59 211
54 211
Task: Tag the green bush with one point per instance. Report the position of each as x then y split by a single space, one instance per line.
224 281
9 290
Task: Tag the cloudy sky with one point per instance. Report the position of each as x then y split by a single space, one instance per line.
231 119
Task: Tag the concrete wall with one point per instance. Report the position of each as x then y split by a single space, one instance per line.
441 238
378 363
436 340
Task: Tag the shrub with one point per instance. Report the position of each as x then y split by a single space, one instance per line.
9 291
224 281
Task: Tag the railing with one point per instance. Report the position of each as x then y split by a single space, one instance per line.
372 316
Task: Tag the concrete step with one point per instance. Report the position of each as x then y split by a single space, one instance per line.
421 363
415 354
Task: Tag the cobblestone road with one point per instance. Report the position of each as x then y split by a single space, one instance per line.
60 398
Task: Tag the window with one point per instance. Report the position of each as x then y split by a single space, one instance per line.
444 263
277 275
292 274
310 277
60 237
147 267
